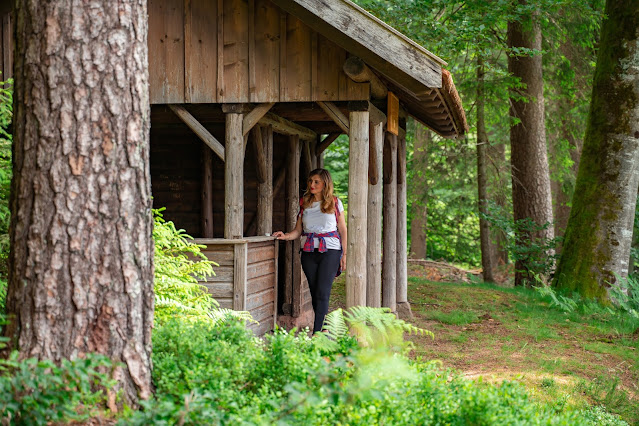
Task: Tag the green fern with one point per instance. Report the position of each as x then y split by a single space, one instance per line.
372 327
179 264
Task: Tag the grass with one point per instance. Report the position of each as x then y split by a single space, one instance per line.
586 357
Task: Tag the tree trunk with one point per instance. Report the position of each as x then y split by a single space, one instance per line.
530 174
499 175
81 262
419 194
482 181
599 233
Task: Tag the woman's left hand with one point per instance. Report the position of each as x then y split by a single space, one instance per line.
342 262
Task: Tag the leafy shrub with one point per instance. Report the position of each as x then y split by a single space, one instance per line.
36 392
179 263
221 374
6 115
625 294
538 254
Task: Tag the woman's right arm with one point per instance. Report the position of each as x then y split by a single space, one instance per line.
295 233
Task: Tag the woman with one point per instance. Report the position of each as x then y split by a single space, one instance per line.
321 223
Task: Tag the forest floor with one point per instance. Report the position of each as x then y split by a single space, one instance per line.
495 333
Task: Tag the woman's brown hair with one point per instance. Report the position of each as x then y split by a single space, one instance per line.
327 203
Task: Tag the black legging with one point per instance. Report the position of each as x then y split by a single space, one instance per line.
320 270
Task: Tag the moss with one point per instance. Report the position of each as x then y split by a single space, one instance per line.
585 250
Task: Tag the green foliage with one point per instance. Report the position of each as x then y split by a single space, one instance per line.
221 374
523 242
178 264
36 392
372 327
6 115
625 294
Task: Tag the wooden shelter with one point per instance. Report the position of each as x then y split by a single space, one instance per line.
246 95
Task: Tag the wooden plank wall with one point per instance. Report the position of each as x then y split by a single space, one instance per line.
221 285
6 60
261 285
237 51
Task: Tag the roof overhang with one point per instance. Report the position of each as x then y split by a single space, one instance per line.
412 72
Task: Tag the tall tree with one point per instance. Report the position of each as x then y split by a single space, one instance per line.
81 262
599 233
487 249
530 173
419 191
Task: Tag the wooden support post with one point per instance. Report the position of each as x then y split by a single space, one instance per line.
357 201
403 307
265 190
233 177
239 276
312 148
306 156
389 251
374 217
260 158
292 265
207 192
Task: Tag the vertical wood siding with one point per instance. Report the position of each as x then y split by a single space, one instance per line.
236 51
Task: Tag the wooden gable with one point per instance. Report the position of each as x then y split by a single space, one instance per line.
238 51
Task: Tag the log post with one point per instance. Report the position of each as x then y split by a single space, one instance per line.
389 251
357 202
292 265
233 173
207 192
403 307
374 217
265 190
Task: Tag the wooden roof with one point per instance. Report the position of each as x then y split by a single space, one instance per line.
412 72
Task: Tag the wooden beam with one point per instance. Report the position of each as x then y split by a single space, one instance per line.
336 115
328 140
389 250
379 45
357 209
253 117
260 156
359 72
403 307
234 178
286 127
199 130
207 192
374 219
376 115
265 189
293 282
306 156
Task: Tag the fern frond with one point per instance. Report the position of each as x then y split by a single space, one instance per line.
335 325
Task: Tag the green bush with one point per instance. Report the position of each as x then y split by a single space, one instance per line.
36 392
221 374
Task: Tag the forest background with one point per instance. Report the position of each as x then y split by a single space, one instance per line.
443 214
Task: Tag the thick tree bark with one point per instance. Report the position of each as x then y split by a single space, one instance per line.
598 237
81 262
482 179
419 189
529 160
